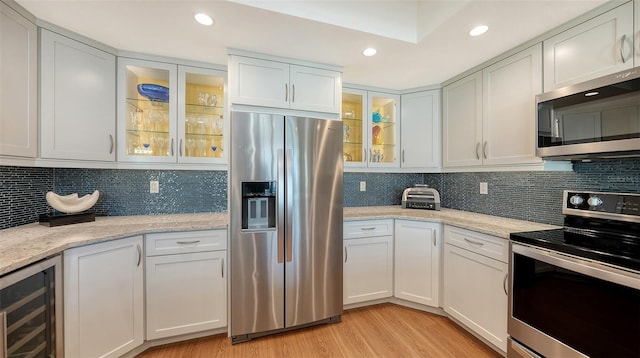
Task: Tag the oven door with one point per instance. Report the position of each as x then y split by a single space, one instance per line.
564 306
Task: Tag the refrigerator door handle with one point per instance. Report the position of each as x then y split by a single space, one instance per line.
289 198
281 209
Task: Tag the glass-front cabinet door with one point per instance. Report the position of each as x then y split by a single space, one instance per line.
384 130
147 94
201 125
354 110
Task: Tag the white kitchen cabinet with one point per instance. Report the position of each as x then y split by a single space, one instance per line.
508 110
636 32
77 97
103 298
260 82
462 122
489 116
417 248
475 283
18 84
368 260
371 129
420 136
186 282
595 48
184 124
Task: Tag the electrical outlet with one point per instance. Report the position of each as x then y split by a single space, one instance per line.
154 187
363 186
484 188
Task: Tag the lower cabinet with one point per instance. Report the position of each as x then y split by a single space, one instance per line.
186 290
475 283
417 247
368 261
103 298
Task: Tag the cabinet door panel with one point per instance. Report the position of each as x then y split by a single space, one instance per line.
475 293
314 89
417 248
78 100
590 50
368 269
18 84
462 122
508 108
420 126
636 29
185 293
103 298
259 82
354 120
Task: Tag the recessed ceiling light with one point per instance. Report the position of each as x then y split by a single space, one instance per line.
204 19
589 94
478 30
369 52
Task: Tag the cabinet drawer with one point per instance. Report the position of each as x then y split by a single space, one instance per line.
185 242
486 245
368 228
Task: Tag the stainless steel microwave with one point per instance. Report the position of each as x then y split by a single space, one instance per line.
594 119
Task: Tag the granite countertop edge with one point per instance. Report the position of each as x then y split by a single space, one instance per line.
26 244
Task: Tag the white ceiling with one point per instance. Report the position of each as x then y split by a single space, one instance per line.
419 43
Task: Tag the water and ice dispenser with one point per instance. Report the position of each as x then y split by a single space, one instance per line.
258 205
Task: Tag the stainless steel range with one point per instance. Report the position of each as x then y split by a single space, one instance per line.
575 292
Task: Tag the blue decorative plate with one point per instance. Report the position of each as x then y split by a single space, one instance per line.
154 92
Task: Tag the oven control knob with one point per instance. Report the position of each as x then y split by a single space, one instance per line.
576 200
594 201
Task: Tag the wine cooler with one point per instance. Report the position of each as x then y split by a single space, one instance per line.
31 311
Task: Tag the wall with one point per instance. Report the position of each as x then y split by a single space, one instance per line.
533 196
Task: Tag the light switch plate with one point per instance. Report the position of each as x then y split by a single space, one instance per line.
484 188
363 186
154 187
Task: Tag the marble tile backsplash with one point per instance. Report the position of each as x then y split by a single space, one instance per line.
532 196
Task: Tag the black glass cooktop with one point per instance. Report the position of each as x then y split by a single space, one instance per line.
616 248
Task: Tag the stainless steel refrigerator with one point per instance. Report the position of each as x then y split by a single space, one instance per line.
286 206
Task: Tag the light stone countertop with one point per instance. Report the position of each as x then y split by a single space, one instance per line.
26 244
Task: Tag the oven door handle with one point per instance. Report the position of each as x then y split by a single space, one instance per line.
584 266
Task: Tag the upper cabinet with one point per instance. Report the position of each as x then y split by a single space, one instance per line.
420 130
260 82
170 113
77 97
595 48
18 85
371 129
636 29
489 116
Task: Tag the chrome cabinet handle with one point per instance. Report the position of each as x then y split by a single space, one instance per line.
504 284
434 241
139 249
293 93
368 228
346 254
3 334
172 147
365 154
286 92
222 267
484 149
623 41
370 154
112 143
403 155
180 147
477 150
472 242
187 242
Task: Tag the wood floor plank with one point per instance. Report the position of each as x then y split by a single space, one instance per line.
384 330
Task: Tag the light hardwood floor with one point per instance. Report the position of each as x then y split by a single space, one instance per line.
385 330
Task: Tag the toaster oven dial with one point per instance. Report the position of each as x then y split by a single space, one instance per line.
594 201
576 200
